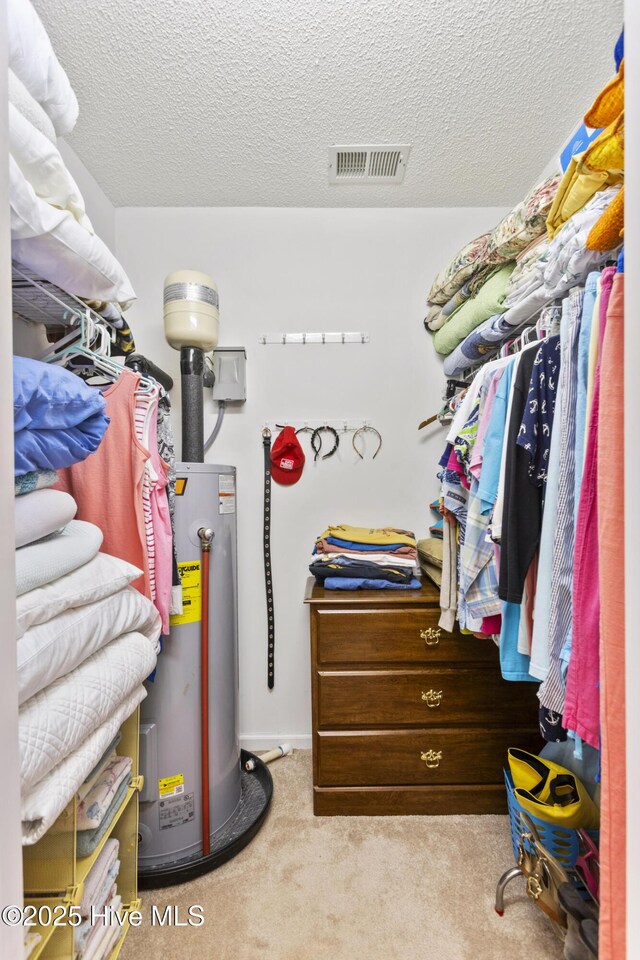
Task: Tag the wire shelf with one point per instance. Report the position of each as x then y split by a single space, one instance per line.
36 300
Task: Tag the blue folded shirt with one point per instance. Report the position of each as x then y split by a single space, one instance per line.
360 583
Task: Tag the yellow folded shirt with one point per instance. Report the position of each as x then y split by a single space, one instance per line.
383 535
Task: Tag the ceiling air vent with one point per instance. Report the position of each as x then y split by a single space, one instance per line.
383 163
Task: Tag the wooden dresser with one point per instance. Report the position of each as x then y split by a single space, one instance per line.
408 719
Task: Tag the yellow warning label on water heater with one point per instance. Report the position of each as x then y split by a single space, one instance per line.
191 594
171 786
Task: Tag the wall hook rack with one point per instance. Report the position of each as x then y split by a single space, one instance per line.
284 339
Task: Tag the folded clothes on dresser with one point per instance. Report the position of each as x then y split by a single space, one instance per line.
365 558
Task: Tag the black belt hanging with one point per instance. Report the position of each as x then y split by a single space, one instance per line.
268 579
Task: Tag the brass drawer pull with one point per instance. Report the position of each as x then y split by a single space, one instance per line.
433 698
431 636
432 758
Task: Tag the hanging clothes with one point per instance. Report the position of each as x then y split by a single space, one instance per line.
611 484
117 467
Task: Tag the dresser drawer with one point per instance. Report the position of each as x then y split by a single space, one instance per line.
418 757
393 635
423 697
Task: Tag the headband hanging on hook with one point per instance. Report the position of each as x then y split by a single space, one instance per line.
364 429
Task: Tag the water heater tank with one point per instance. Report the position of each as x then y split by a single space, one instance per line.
191 315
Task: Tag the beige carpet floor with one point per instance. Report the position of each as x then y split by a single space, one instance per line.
353 888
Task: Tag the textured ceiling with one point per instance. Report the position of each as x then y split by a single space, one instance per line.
204 102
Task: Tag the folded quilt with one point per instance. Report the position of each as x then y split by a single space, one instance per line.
526 222
34 480
30 109
46 561
343 566
43 804
57 419
513 234
98 874
106 892
98 578
100 945
437 317
54 722
55 648
464 265
92 810
88 840
84 930
42 513
487 302
85 788
32 59
362 583
43 167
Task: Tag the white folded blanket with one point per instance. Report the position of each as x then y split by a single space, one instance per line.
99 578
54 722
43 804
43 167
44 562
42 513
30 109
55 648
32 59
51 243
98 874
90 812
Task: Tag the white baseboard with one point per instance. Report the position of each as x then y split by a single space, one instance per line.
262 742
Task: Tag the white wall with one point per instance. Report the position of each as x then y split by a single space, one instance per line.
100 210
10 848
307 270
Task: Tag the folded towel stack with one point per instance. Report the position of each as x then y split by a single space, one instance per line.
362 558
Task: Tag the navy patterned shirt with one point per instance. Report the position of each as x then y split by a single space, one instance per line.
537 419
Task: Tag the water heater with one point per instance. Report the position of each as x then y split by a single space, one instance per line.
199 806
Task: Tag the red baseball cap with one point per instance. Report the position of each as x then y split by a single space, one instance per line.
287 457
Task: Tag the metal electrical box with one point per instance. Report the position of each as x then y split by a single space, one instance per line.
229 365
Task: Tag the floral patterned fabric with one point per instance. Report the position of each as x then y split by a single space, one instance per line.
478 259
525 222
465 263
